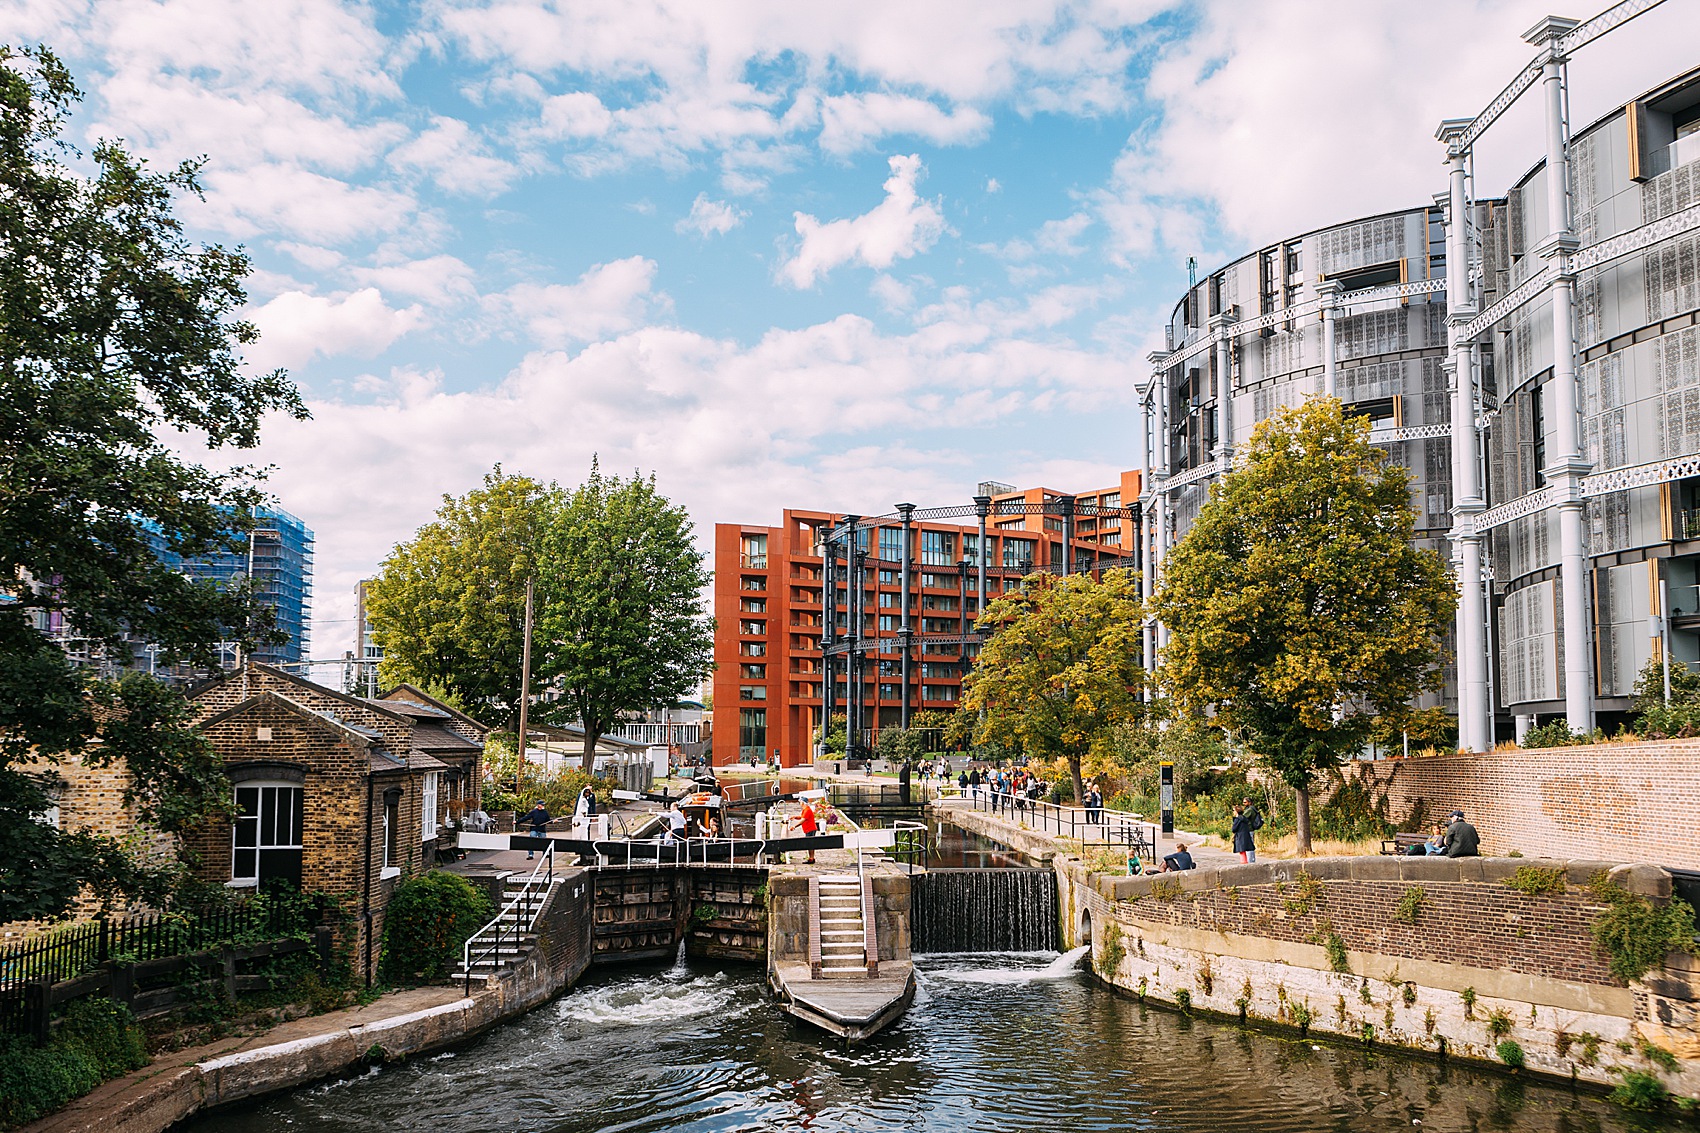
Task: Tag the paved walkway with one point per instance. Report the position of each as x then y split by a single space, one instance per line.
133 1102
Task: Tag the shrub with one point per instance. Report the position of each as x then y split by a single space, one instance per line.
1659 1056
1468 995
1309 894
1498 1023
1640 1091
98 1040
1333 945
1510 1053
1555 734
1183 1000
1533 880
1409 994
1110 958
1301 1015
1635 934
427 921
558 790
1410 905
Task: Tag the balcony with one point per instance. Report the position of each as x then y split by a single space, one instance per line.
753 562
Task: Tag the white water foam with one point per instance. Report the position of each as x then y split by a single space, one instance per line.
647 1000
1061 968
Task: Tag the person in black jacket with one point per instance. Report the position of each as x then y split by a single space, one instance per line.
538 819
1461 838
1247 822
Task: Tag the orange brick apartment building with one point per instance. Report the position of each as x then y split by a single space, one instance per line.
770 621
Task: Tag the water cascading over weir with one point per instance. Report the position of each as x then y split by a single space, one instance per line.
984 910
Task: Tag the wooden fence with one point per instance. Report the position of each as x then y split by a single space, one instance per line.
123 956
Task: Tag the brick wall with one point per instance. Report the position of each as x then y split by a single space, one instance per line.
1620 802
1484 926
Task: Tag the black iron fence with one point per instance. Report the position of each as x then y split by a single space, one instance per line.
120 955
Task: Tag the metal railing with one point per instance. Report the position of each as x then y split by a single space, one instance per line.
909 844
525 906
1086 825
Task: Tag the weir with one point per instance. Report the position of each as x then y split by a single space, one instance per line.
985 910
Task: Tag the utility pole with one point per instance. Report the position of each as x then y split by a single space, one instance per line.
524 695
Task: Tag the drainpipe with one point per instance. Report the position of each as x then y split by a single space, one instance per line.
366 909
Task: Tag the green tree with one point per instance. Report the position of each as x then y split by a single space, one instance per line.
1657 716
448 607
115 331
621 588
1298 608
1062 667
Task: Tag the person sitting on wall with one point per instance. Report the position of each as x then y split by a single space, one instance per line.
1179 860
1461 838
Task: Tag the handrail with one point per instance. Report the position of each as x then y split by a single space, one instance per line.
1107 826
533 905
902 824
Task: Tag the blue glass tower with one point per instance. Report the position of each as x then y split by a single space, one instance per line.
279 558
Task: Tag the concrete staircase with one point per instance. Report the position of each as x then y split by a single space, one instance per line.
507 939
843 932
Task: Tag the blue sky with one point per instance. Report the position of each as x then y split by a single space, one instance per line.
826 254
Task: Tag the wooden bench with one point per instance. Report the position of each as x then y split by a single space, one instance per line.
1400 843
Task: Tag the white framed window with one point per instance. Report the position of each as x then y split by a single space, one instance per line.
392 827
428 808
265 838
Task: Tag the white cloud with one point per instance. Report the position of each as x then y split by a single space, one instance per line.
607 299
687 68
851 122
901 226
710 218
297 327
1278 118
894 296
449 153
993 185
438 280
288 200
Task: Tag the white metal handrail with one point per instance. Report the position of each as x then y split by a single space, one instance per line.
528 897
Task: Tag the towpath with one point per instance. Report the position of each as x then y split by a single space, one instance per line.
175 1083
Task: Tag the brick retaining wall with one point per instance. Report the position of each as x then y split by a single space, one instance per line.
1622 802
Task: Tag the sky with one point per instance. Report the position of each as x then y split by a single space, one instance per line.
821 255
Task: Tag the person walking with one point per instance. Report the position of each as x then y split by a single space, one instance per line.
1247 822
538 819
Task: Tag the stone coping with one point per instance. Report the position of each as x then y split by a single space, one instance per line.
1637 877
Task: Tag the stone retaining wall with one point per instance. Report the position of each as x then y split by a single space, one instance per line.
1254 941
1625 802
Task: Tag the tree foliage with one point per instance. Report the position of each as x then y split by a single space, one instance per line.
448 607
1298 608
1062 667
1657 717
114 330
622 610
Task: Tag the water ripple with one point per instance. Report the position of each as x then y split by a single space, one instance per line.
993 1044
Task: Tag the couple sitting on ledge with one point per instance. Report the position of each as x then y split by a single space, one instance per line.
1453 839
1172 863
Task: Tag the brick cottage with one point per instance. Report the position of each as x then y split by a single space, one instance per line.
334 793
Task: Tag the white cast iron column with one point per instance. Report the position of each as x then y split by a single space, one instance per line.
1475 731
1567 470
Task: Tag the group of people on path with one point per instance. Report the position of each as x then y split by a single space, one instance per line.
1019 789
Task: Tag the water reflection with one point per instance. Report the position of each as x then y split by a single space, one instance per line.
988 1046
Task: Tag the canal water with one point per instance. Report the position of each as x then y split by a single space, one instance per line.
993 1043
